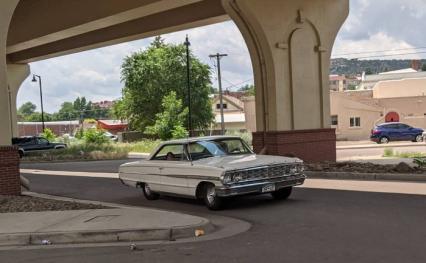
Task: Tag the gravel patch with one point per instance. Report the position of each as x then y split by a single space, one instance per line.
356 167
12 204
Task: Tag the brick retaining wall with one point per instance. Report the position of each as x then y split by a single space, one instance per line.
9 171
309 145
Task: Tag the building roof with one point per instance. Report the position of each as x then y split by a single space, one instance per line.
112 122
231 117
405 70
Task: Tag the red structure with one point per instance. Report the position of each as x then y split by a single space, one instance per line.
392 117
113 126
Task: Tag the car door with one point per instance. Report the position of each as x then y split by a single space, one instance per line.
405 132
394 132
43 144
173 164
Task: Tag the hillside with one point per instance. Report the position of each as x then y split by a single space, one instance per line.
353 66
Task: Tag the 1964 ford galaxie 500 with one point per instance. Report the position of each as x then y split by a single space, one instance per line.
212 168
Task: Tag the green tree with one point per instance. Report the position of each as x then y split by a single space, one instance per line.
248 89
66 112
49 135
170 123
27 109
150 74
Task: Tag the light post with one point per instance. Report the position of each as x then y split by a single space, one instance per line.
188 84
41 98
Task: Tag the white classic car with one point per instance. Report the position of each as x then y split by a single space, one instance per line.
212 168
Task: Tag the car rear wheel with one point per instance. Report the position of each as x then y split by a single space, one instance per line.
211 199
384 140
418 138
148 193
282 193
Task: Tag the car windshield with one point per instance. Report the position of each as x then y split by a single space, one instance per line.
222 147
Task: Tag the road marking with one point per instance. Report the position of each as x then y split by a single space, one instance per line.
367 186
69 173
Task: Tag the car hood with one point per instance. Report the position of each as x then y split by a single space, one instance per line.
245 161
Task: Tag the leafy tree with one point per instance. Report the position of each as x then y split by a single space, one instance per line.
424 67
27 108
248 89
66 112
150 74
36 117
169 123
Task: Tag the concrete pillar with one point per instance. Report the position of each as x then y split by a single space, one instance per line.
290 45
9 158
16 74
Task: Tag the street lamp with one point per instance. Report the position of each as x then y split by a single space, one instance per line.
41 98
188 84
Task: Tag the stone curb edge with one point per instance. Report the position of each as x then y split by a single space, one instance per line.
367 176
123 235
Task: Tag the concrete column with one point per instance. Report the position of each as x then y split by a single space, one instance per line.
290 44
9 158
16 74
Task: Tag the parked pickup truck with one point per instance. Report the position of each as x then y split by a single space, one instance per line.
32 144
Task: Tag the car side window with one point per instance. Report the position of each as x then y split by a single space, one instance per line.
403 126
171 152
42 141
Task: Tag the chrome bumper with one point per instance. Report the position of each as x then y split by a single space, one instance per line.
255 187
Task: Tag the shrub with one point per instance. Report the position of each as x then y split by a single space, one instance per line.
49 135
246 136
95 136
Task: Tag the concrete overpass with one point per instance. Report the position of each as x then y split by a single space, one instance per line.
289 41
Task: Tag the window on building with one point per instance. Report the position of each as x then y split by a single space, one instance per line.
355 122
334 120
225 106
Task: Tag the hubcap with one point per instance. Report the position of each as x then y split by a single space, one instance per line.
147 190
419 138
211 194
384 140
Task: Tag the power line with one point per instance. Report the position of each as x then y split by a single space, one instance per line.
378 51
390 55
238 84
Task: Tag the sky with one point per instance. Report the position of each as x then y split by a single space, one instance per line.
394 26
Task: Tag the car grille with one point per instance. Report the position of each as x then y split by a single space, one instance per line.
263 172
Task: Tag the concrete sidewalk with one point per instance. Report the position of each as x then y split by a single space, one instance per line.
97 225
366 144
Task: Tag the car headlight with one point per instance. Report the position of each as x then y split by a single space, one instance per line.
301 168
237 177
293 169
226 179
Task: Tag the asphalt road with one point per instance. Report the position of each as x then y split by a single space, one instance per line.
312 226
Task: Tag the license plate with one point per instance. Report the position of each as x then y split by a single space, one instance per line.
268 188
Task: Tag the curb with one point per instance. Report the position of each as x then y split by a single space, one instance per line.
107 236
128 235
367 176
348 147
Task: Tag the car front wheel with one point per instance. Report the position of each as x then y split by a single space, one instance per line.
211 199
282 193
418 138
148 193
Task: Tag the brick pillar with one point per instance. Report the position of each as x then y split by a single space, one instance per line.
9 171
309 145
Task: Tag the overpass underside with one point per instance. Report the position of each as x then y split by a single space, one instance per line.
289 41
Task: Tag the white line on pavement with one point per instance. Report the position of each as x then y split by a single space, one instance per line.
367 186
69 173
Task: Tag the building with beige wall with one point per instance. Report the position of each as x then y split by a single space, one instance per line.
355 113
233 113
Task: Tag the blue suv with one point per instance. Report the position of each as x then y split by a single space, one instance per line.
394 131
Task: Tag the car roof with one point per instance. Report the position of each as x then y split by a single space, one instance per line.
203 138
388 123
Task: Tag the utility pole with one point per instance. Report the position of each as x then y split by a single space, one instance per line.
188 84
219 79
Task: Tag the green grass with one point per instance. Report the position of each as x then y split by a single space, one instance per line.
389 152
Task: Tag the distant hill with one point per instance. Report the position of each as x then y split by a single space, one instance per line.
354 66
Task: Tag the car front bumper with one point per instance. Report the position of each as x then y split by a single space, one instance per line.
256 187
